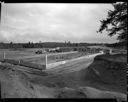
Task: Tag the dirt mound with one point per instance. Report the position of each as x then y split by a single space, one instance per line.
14 84
109 70
96 93
90 92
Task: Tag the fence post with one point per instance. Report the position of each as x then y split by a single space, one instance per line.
4 54
46 61
110 51
19 62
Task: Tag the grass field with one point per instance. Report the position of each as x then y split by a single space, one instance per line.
29 55
10 53
54 58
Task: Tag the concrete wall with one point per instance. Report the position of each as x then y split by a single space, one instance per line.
26 64
51 65
32 65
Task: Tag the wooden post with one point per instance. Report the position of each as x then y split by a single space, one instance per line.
46 60
110 51
4 55
19 62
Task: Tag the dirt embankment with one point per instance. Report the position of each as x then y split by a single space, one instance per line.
104 78
109 71
14 84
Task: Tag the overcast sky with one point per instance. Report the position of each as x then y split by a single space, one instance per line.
53 22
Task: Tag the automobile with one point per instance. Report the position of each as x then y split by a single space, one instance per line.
39 52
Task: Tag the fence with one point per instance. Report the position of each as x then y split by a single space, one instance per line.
51 65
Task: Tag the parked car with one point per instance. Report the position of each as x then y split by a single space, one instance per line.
39 52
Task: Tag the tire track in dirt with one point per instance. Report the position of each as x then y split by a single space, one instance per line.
68 68
72 66
75 65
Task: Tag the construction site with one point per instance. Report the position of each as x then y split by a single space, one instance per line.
63 51
61 74
45 60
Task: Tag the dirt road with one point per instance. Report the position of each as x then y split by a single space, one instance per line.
73 65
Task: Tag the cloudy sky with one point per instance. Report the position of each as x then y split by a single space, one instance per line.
53 22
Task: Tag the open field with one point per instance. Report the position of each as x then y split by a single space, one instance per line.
28 58
11 53
29 55
51 58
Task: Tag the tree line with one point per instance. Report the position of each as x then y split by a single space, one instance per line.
44 45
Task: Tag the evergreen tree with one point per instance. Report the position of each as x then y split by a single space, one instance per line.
116 21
